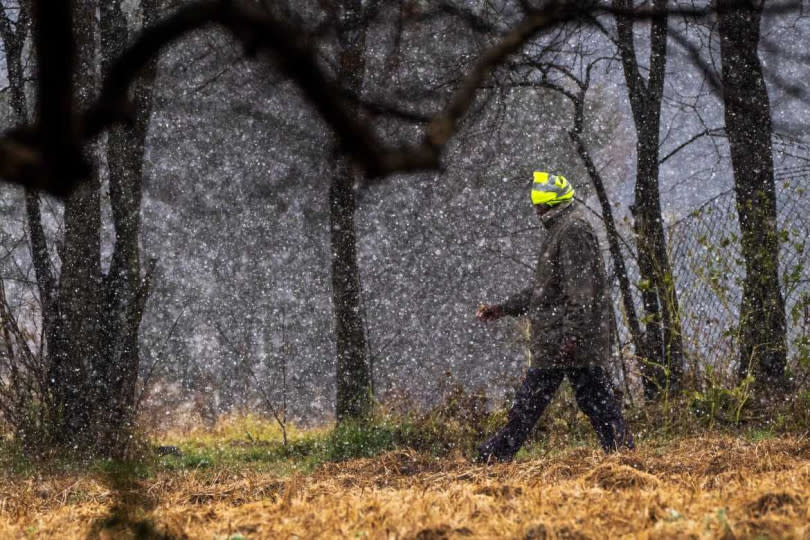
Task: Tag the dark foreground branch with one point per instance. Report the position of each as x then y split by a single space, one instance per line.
24 151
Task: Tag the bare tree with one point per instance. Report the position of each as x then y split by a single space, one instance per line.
88 351
353 400
663 351
75 348
763 327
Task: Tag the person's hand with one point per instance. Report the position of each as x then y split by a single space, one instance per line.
488 312
568 348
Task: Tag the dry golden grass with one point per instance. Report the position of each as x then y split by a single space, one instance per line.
708 487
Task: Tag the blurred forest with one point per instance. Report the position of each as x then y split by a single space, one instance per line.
294 208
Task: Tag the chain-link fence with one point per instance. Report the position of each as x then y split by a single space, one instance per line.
709 269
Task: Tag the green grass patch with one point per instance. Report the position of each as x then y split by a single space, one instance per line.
455 426
350 440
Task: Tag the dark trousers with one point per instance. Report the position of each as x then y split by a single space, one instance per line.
594 396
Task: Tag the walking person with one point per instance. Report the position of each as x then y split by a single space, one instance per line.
569 306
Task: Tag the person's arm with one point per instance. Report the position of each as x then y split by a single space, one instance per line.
515 305
518 303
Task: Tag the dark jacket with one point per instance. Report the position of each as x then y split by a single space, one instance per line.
569 298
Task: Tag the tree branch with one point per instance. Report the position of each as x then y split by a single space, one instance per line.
55 47
6 28
48 156
717 132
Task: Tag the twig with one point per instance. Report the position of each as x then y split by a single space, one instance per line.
158 358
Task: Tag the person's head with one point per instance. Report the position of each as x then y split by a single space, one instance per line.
550 190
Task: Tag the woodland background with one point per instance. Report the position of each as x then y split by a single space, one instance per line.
254 238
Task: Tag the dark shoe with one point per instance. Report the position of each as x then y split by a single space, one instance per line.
625 438
615 436
493 451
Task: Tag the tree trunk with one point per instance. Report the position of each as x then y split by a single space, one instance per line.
91 321
619 266
662 365
29 429
13 41
125 288
76 352
763 327
353 400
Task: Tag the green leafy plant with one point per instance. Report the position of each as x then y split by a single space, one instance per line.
716 402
